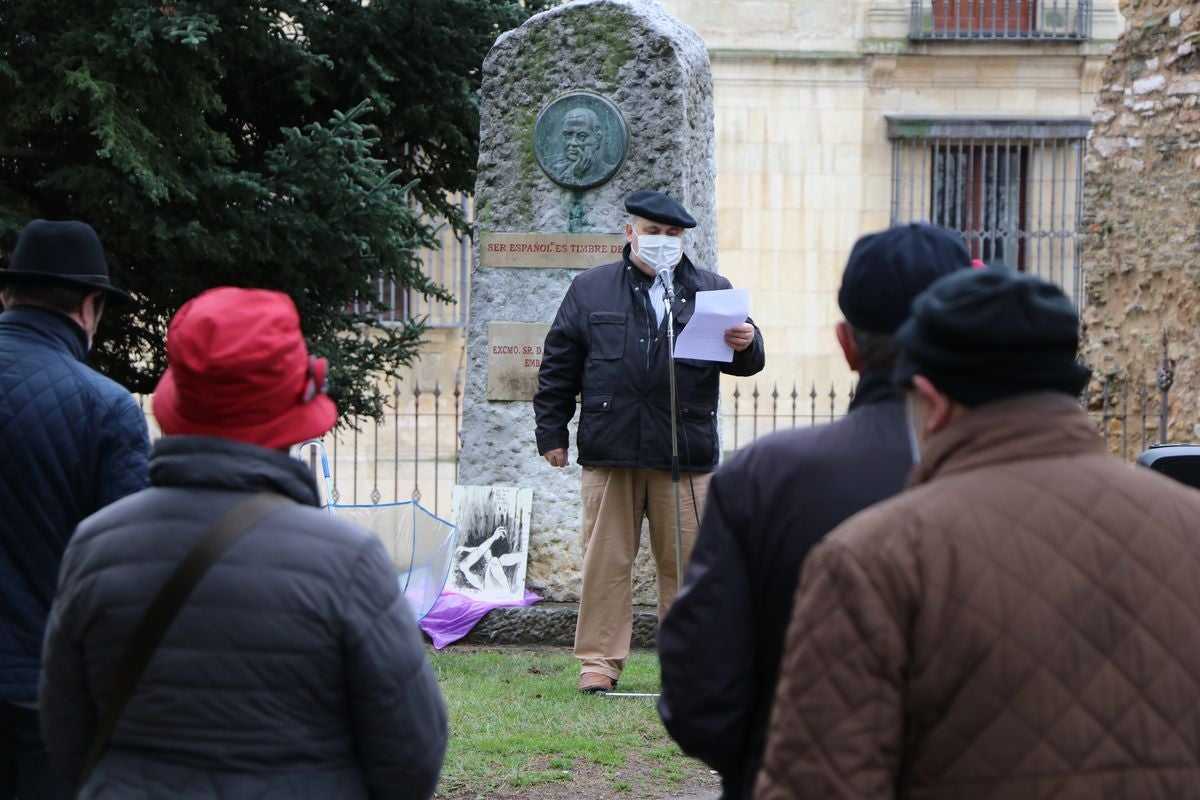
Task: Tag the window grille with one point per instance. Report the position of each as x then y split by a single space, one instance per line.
1001 19
1013 187
448 265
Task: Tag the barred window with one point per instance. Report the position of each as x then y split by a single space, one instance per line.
1013 187
448 265
1001 19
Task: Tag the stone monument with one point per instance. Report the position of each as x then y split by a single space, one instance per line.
580 106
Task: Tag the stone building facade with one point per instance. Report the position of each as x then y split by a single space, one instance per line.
836 117
1141 245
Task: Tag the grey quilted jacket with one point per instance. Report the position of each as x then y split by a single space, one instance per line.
1023 624
294 669
71 441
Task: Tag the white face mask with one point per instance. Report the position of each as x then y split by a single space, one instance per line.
658 252
913 445
911 422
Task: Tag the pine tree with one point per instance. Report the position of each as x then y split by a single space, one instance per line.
287 144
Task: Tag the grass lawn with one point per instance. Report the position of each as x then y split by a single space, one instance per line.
519 728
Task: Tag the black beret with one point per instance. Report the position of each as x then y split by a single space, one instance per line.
658 207
886 270
984 335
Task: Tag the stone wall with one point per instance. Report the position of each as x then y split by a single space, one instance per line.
1141 244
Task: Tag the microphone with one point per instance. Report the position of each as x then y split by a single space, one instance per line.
664 275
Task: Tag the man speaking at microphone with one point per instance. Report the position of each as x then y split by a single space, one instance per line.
608 345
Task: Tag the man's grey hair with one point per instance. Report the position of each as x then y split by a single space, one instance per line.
63 297
875 349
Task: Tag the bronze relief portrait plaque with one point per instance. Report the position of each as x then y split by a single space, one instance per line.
580 140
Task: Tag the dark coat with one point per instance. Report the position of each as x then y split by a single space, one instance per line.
293 670
722 640
604 347
71 442
1020 625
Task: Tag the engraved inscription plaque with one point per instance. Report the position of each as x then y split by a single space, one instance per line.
514 356
550 250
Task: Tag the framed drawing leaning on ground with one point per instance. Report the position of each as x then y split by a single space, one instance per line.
492 548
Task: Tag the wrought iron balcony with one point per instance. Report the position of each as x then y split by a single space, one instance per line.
1012 20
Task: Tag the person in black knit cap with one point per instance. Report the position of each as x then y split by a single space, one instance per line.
1020 622
720 644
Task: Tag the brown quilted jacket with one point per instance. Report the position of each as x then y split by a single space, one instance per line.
1024 623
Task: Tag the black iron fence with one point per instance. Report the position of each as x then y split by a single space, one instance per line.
751 411
412 451
1129 417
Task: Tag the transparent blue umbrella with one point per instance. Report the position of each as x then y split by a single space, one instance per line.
420 543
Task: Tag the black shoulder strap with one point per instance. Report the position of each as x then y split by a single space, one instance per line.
165 606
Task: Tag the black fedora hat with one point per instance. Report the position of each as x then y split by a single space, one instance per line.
60 252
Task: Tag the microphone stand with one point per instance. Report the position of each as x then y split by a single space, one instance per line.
665 276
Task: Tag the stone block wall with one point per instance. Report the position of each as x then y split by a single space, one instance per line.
1141 216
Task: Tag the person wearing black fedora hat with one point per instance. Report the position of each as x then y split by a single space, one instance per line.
73 442
1021 621
609 344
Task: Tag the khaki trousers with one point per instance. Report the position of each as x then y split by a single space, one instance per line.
615 500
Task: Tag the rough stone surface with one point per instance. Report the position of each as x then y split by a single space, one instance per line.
551 624
656 71
1141 244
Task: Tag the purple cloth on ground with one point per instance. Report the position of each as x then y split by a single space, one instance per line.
454 615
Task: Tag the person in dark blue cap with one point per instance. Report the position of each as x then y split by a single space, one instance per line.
608 345
720 645
73 442
1022 620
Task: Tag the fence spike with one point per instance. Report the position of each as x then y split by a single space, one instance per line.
437 442
754 412
416 492
775 407
1144 405
1125 424
736 397
1164 379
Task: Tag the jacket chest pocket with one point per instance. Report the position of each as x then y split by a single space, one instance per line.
606 335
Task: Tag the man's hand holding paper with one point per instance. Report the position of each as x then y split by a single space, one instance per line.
717 327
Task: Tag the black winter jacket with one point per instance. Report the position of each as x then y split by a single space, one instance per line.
293 670
73 441
605 347
721 643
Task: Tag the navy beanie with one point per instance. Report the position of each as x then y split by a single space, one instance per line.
660 208
984 335
886 270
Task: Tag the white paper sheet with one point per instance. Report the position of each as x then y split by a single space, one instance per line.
704 335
